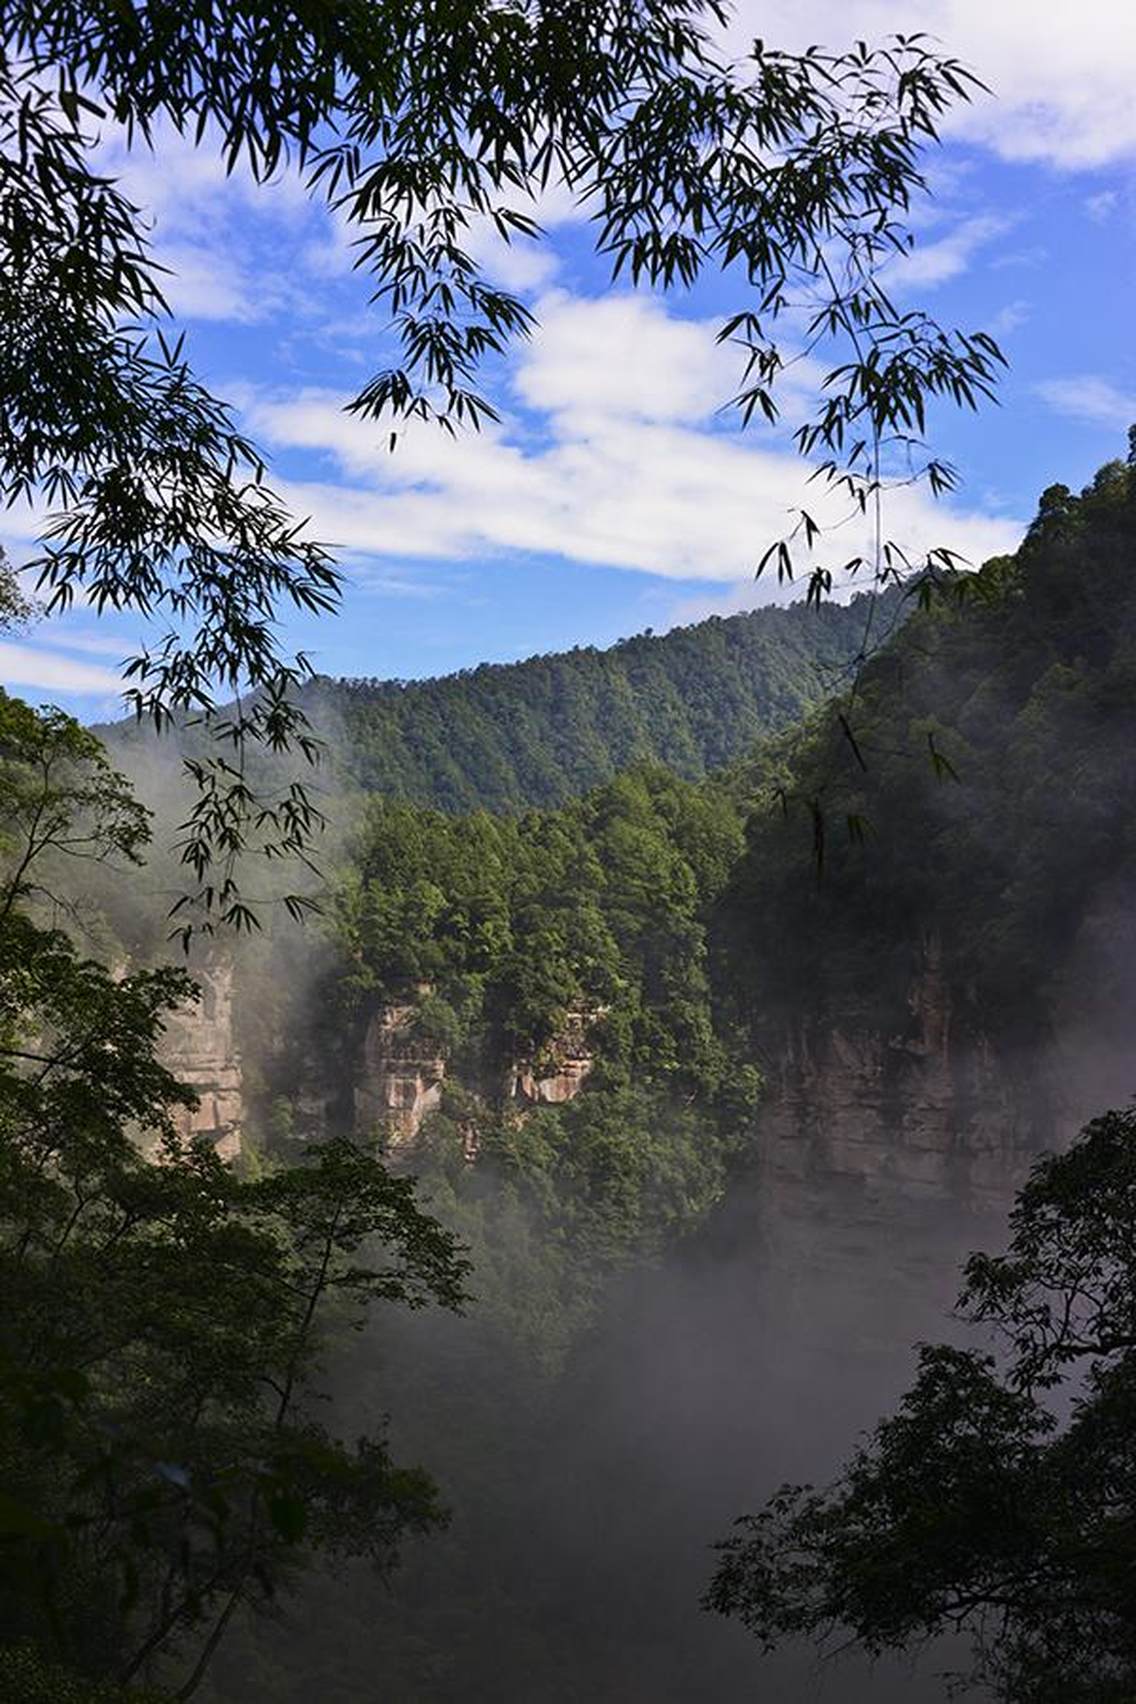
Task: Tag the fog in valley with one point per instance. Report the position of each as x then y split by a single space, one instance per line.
584 1514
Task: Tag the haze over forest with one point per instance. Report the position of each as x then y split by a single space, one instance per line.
539 1165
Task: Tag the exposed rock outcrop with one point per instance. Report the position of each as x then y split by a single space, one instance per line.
927 1112
400 1078
402 1074
940 1111
200 1049
559 1072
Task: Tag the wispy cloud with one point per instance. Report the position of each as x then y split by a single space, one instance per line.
29 665
93 644
1091 399
623 356
931 264
1061 76
1102 206
215 232
207 283
1009 318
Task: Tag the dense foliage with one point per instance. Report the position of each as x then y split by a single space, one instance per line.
545 730
162 1462
1001 1499
509 934
973 798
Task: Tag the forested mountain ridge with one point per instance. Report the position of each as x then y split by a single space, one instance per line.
963 817
542 731
973 802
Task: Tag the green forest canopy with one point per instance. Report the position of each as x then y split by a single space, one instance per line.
977 789
541 732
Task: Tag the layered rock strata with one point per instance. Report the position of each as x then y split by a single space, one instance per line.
400 1078
200 1049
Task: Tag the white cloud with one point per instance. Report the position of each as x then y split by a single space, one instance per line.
1090 399
625 356
27 665
203 222
209 284
1023 259
98 644
22 523
930 264
180 182
1062 75
1008 319
520 265
617 473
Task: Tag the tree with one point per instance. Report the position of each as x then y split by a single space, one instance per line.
419 119
14 607
1000 1500
163 1461
62 800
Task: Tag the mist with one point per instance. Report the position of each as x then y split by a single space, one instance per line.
586 1507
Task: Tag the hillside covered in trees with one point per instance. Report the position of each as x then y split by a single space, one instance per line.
976 790
973 786
543 731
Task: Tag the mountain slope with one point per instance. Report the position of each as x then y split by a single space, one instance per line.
507 736
986 807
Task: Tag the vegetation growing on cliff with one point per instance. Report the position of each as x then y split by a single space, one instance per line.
515 922
506 931
975 792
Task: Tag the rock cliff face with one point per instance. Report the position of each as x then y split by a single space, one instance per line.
853 1122
920 1113
200 1049
931 1112
884 1159
560 1072
400 1076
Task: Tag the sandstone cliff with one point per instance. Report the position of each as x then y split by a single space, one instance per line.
936 1109
560 1070
402 1074
200 1049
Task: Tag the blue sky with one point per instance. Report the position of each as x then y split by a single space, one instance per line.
615 496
